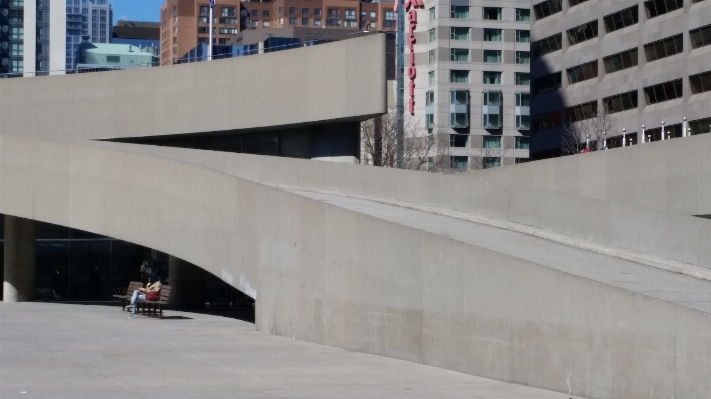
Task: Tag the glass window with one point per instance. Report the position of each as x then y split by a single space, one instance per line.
656 8
491 162
523 57
492 141
458 140
304 11
522 143
582 111
700 126
523 36
459 76
547 8
429 121
621 19
492 13
576 2
460 12
523 14
492 78
582 72
663 92
492 35
431 56
582 33
228 12
458 33
458 162
700 37
459 97
459 119
548 120
429 98
304 21
492 98
292 10
317 22
292 21
265 14
620 61
523 79
317 11
350 14
492 56
700 83
548 45
431 35
431 76
620 102
459 54
548 82
432 14
17 33
664 48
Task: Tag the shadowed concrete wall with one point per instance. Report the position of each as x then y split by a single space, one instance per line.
654 234
334 81
332 276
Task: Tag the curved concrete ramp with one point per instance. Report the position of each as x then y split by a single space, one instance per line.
331 275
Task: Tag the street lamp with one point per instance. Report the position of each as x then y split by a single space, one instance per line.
663 132
643 136
624 137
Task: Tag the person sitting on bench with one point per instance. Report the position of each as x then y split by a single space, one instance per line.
151 293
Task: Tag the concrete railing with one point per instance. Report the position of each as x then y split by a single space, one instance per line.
654 236
328 275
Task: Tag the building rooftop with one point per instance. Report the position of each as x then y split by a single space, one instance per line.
137 30
115 49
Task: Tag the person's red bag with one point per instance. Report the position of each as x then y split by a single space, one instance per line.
153 296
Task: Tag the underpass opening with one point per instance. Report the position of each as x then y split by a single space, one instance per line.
76 266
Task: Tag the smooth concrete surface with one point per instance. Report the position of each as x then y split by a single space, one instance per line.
666 176
19 260
334 276
677 288
342 80
44 355
187 284
650 235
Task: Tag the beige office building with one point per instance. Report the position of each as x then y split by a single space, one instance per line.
648 63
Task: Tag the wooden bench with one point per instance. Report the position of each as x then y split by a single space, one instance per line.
156 307
126 297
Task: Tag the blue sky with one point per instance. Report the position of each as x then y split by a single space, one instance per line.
137 10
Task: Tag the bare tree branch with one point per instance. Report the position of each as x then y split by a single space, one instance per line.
595 128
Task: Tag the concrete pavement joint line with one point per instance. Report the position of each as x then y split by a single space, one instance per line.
656 262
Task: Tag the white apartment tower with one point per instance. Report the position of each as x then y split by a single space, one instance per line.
32 37
472 79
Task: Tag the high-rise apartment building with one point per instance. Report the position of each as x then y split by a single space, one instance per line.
644 65
87 20
472 79
185 23
32 37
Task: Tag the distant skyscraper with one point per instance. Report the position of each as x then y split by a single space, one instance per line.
88 20
32 37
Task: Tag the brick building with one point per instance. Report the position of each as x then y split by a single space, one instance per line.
185 23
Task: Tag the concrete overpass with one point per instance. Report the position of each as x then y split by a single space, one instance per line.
472 273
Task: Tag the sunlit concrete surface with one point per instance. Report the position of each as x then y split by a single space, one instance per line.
83 351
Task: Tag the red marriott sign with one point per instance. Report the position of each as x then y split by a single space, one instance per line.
410 8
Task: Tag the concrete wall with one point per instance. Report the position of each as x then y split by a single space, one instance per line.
597 197
332 276
340 80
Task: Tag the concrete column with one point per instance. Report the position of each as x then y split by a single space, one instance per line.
20 236
188 284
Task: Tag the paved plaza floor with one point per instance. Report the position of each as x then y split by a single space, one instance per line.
52 350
